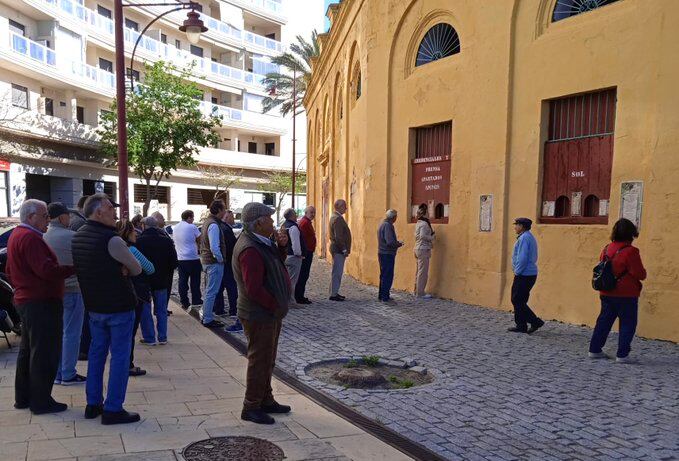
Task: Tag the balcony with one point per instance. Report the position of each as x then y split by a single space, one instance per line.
44 61
252 121
270 8
235 160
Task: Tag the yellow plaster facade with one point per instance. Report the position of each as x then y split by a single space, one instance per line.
513 59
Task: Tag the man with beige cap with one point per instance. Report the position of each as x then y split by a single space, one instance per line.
340 248
263 294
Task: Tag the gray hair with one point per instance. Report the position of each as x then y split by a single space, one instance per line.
309 208
340 202
250 226
93 203
149 221
158 216
30 207
391 214
289 213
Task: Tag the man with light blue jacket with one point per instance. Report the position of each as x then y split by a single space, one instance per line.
524 263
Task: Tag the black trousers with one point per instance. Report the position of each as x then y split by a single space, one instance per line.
190 270
137 320
523 315
304 273
39 353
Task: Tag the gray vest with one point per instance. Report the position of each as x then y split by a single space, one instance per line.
276 280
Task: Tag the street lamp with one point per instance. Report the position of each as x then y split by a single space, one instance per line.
193 26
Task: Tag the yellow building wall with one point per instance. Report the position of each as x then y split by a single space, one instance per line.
512 60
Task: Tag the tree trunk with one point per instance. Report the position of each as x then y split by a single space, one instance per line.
147 202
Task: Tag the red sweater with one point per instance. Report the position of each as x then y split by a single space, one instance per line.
308 233
628 261
252 268
33 268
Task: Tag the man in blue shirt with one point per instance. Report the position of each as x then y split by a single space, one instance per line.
524 263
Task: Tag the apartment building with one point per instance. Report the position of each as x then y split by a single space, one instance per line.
56 78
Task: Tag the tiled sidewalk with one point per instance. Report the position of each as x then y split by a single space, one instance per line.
193 391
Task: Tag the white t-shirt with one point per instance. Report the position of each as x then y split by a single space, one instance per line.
185 235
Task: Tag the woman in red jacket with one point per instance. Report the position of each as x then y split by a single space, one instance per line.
623 301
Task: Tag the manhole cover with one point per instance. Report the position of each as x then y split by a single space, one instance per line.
233 448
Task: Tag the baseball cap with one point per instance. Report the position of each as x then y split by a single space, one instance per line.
252 211
56 209
525 222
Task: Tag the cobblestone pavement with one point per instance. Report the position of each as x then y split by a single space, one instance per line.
497 395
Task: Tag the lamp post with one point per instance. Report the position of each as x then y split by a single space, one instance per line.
192 26
294 132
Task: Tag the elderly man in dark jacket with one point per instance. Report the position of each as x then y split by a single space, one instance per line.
388 245
158 248
263 294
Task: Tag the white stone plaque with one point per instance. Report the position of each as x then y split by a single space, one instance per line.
576 203
631 201
548 208
486 213
603 207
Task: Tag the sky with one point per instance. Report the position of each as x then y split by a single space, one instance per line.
326 3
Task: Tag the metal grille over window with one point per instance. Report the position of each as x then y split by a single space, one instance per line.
439 42
160 193
567 8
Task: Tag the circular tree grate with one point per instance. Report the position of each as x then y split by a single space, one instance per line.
233 448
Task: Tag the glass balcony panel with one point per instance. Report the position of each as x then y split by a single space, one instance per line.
19 43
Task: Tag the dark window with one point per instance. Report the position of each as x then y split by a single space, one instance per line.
130 24
214 100
135 74
198 7
269 198
196 51
199 196
38 187
252 147
91 187
105 64
439 211
578 158
270 148
80 114
20 96
239 145
439 42
160 193
49 106
17 28
105 12
567 8
271 36
163 38
178 44
359 83
434 140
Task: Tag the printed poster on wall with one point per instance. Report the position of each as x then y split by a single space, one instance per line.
631 201
486 213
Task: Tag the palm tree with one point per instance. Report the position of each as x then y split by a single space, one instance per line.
279 85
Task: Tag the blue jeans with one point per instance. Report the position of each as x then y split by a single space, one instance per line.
215 272
625 309
387 263
229 283
74 312
148 329
109 332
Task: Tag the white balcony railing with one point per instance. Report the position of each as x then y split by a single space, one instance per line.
271 6
260 122
79 70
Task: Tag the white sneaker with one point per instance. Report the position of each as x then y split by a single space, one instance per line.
623 360
597 355
427 296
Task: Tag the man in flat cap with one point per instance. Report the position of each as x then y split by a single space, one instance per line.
524 263
263 294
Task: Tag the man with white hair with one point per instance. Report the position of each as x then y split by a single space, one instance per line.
296 247
340 248
38 282
388 245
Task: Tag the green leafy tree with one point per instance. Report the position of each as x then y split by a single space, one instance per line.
279 85
165 127
280 182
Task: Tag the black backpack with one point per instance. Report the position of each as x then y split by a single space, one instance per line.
603 278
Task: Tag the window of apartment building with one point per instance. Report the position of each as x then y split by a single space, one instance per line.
430 152
196 51
130 24
4 194
105 64
178 44
269 198
214 100
199 196
135 74
252 147
49 106
578 158
271 36
160 193
17 28
105 12
270 148
20 96
198 7
80 114
163 38
92 186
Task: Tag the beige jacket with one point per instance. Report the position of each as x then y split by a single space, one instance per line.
424 237
340 235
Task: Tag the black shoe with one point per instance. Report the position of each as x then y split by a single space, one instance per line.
342 297
186 306
21 406
213 324
536 326
82 357
77 379
92 411
54 407
303 301
136 371
169 312
277 408
256 416
336 298
517 330
119 417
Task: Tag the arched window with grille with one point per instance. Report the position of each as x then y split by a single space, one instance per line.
567 8
441 41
